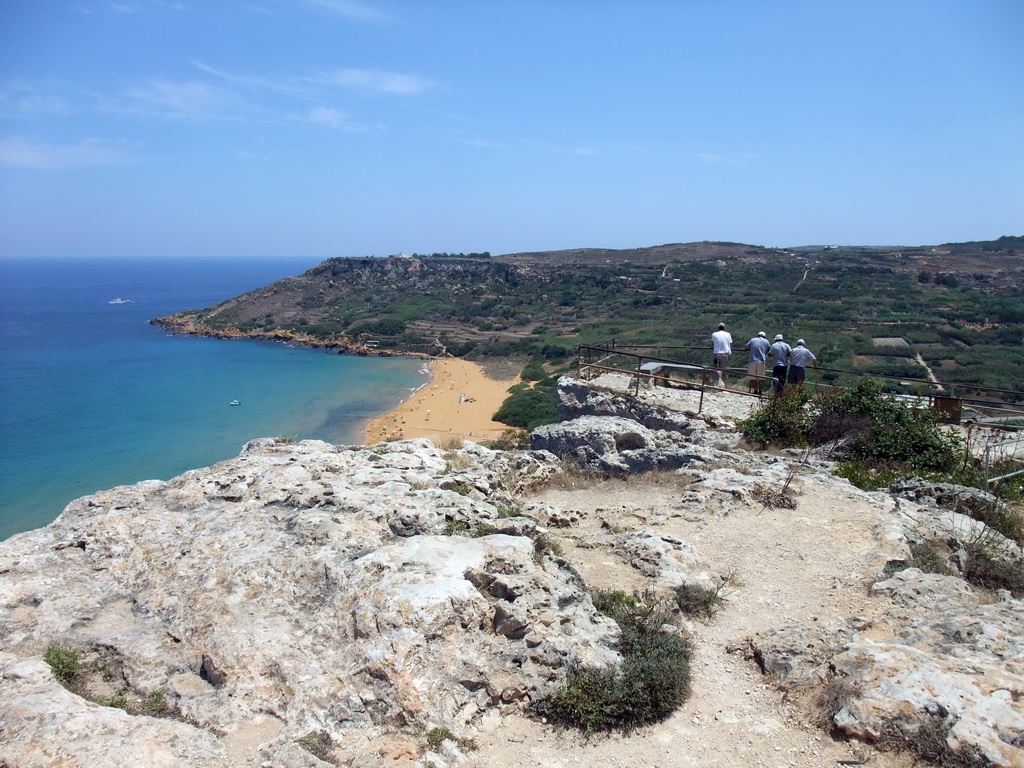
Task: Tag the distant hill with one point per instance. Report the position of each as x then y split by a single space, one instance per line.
958 306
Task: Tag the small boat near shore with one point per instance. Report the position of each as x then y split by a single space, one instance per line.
234 402
120 301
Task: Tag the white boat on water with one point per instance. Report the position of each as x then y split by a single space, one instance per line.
120 301
234 402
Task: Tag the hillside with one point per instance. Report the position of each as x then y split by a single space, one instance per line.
955 307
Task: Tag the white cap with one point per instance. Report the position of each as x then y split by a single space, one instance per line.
778 337
761 334
799 342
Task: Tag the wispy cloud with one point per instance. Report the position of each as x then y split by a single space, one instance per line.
585 151
333 118
149 6
377 80
485 143
25 153
313 87
287 86
178 101
348 8
713 158
19 98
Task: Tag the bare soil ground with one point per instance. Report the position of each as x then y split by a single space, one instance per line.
792 566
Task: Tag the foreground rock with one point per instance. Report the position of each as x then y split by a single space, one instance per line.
305 581
309 603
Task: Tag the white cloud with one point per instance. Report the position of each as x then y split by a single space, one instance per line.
24 153
485 143
151 6
178 100
286 86
377 80
349 8
713 158
19 98
333 118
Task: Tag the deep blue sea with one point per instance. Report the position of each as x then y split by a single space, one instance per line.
92 396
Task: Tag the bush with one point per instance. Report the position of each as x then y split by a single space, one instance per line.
783 421
872 427
65 663
529 408
651 683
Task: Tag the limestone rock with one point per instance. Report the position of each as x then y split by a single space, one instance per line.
614 445
307 581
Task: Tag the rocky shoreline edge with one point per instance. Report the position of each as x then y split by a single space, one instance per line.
184 325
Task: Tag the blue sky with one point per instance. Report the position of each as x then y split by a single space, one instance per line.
356 127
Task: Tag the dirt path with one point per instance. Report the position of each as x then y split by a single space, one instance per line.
793 566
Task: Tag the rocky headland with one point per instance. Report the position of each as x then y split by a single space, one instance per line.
310 605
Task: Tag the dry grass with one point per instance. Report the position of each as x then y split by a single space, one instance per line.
447 442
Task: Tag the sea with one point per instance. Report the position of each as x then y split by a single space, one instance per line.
92 396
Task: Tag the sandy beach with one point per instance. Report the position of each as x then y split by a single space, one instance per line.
456 404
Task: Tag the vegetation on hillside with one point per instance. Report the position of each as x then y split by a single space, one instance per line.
956 308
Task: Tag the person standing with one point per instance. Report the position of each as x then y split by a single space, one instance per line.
779 352
758 347
721 350
798 360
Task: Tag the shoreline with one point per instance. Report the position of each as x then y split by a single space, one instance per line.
456 403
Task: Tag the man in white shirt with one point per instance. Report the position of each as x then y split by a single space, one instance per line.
722 348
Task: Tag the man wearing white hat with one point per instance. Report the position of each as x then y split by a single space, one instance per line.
758 347
798 360
779 352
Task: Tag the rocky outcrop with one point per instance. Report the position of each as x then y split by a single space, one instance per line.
313 593
954 662
617 434
311 582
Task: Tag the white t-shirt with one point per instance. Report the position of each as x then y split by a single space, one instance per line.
723 343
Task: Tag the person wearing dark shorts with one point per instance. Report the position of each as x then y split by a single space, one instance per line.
798 360
779 353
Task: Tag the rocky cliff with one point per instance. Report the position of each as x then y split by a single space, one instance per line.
309 604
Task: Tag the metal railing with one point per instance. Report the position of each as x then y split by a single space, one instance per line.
609 356
987 461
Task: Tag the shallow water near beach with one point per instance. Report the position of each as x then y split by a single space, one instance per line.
92 396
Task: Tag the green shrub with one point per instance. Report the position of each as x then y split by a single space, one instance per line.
699 601
782 421
438 736
982 569
529 408
318 744
155 703
117 701
652 681
865 476
882 437
65 662
453 527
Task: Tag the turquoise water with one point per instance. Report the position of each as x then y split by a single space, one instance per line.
92 396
